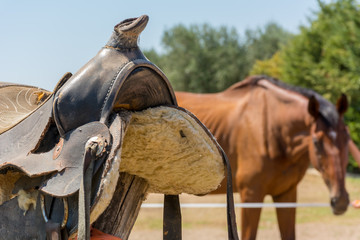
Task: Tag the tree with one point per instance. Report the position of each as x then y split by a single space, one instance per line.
326 55
270 67
203 58
154 57
263 43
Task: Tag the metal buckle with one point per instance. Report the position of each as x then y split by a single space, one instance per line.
66 211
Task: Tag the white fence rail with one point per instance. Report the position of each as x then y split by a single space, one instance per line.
240 205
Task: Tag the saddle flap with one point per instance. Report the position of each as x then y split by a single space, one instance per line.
27 210
23 139
68 155
62 159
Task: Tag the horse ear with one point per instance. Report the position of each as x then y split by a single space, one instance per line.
342 104
313 107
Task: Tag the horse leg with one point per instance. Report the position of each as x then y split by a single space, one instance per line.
286 216
250 216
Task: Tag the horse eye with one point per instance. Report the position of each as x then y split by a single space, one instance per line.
332 135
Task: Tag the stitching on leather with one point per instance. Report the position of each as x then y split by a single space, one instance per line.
109 90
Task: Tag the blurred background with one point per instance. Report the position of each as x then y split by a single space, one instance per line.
205 46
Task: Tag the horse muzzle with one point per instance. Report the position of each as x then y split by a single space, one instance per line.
339 204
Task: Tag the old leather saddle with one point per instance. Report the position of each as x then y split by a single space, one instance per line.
59 145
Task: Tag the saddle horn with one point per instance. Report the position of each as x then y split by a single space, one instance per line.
127 32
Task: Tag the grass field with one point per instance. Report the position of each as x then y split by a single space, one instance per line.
311 223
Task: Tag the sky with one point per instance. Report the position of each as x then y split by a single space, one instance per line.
40 40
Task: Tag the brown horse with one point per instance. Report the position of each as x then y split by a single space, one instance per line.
271 132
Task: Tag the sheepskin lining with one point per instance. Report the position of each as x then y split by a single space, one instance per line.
169 149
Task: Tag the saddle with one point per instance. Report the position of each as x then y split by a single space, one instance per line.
62 152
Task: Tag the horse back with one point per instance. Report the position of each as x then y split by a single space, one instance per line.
238 118
251 124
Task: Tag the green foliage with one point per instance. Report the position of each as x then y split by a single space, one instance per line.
263 43
326 55
201 58
154 57
270 67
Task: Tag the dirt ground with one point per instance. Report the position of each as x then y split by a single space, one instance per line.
210 223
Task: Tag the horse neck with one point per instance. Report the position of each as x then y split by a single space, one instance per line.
299 138
289 116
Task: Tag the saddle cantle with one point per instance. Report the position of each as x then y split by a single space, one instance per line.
61 152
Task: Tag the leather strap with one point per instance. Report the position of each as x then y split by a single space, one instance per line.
231 217
85 194
172 218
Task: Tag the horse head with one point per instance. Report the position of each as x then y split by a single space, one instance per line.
329 148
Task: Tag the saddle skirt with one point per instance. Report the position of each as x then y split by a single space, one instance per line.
118 101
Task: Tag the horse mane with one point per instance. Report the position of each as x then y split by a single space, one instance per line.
327 110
